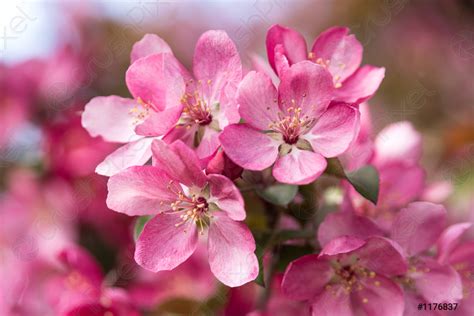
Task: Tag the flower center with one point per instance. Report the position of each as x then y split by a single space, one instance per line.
191 209
140 111
350 275
291 125
196 109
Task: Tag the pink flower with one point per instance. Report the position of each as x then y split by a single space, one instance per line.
294 127
349 275
333 49
395 153
185 201
79 290
168 102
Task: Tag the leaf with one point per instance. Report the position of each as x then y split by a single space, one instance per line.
288 253
139 224
279 194
261 242
366 181
335 168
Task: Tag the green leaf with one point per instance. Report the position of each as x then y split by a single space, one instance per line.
279 194
366 181
139 224
259 252
335 168
289 253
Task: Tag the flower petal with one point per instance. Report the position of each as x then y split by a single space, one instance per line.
163 246
334 301
307 86
248 147
340 245
334 131
418 226
150 44
398 142
383 256
179 161
380 296
160 123
292 43
305 277
226 196
110 118
257 98
216 59
341 52
437 283
346 223
449 239
299 167
135 153
158 80
361 85
140 190
231 251
208 144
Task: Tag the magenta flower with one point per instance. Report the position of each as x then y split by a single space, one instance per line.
349 276
185 201
294 127
333 49
168 101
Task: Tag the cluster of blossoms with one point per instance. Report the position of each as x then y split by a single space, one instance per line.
201 130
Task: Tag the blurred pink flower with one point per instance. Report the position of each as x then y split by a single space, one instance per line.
294 127
184 201
349 274
79 289
168 102
333 49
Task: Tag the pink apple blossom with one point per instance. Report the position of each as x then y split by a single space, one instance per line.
185 201
333 49
349 276
294 129
169 102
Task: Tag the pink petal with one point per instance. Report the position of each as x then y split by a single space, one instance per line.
231 251
305 277
135 153
418 226
216 58
110 118
343 51
334 301
307 86
437 283
226 196
380 296
346 223
400 184
79 260
179 161
261 65
163 246
383 256
150 44
341 245
140 191
361 85
299 167
334 131
158 80
257 98
437 192
293 44
398 142
449 239
248 147
160 123
209 143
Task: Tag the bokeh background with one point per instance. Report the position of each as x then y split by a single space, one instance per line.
57 55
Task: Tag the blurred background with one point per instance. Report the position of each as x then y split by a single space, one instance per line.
56 55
